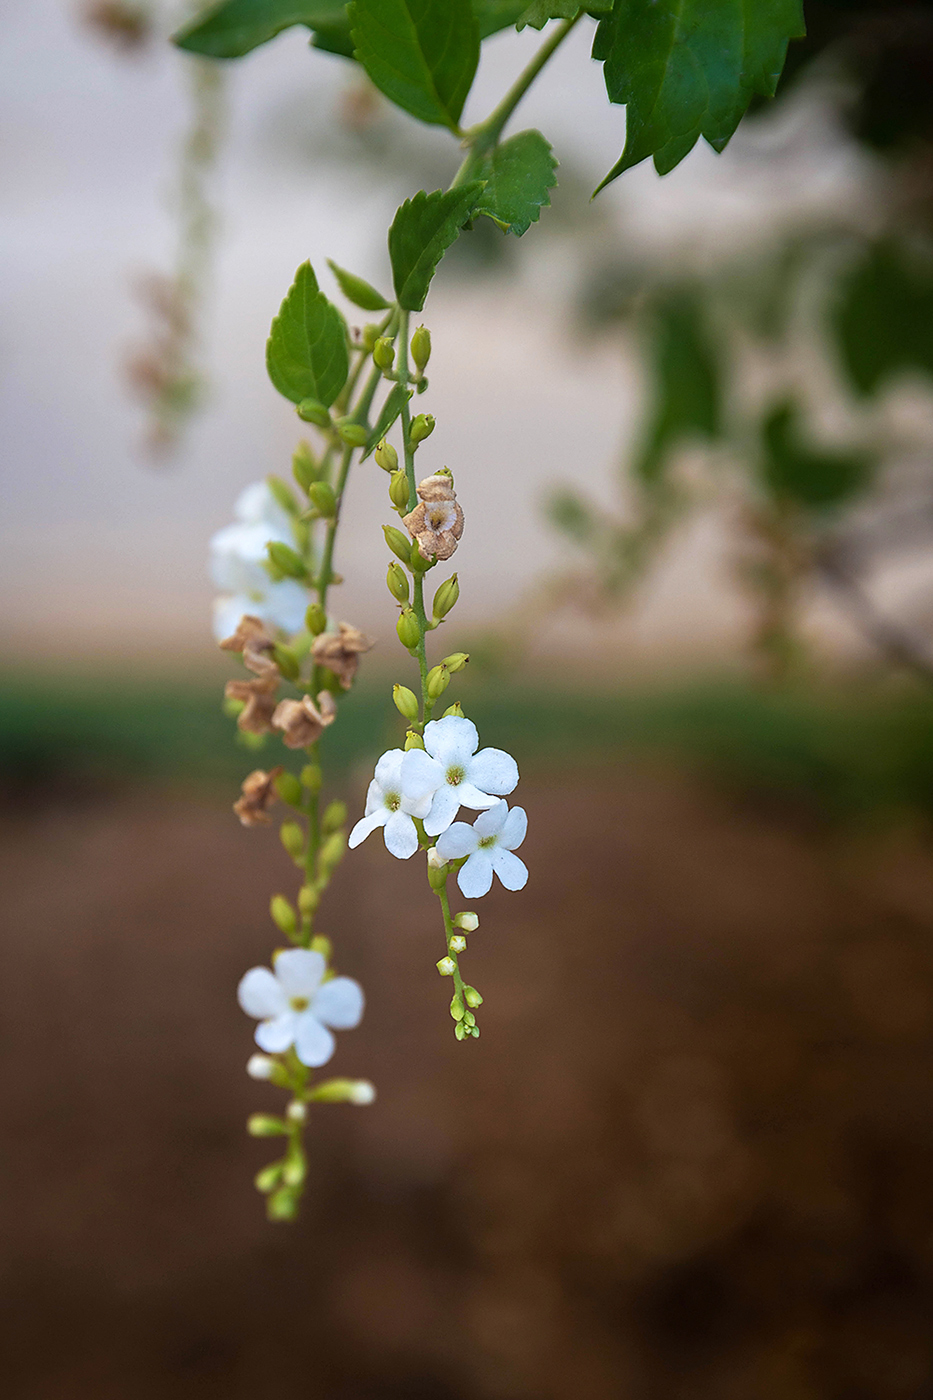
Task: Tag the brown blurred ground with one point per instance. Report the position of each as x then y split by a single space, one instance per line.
691 1156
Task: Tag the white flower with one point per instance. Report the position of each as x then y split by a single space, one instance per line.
387 807
453 774
488 845
237 555
295 1007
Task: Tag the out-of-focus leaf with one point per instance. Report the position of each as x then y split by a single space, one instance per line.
687 392
422 231
493 15
395 402
572 516
689 68
422 54
518 174
234 27
883 318
334 38
306 354
815 478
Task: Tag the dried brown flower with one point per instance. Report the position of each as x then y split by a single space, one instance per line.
301 721
259 702
437 523
340 652
252 639
258 795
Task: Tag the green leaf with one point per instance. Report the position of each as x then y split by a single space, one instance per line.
358 291
422 231
883 319
421 53
234 27
816 479
518 175
689 68
395 402
306 354
687 390
539 12
493 15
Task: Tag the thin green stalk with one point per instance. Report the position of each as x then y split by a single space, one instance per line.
448 935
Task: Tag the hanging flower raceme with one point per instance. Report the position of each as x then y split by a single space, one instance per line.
295 1006
450 772
386 806
237 564
488 846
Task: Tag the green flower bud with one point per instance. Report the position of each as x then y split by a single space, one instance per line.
268 1179
289 789
457 943
398 490
468 921
304 466
320 943
321 495
283 1204
283 914
353 434
446 967
474 1031
308 900
384 352
422 426
282 494
455 709
406 702
335 814
295 1169
438 681
287 661
296 1111
358 1091
399 544
413 740
469 1019
286 560
265 1125
421 347
316 621
293 839
386 456
460 1031
437 871
312 777
456 661
472 996
456 1007
409 633
369 337
310 411
332 851
397 582
446 597
416 560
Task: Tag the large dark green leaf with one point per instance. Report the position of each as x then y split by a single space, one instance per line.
306 354
234 27
539 12
689 68
686 388
884 317
421 53
493 15
817 479
518 174
422 231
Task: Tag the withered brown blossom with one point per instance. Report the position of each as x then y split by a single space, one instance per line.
302 722
252 639
257 797
257 696
340 651
437 522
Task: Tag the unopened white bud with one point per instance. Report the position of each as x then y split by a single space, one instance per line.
458 943
446 967
260 1067
434 860
468 921
363 1092
296 1112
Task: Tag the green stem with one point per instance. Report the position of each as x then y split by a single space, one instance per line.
448 935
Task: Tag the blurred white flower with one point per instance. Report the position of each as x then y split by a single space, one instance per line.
295 1006
488 845
450 771
387 807
237 557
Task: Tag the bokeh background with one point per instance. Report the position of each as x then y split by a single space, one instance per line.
691 426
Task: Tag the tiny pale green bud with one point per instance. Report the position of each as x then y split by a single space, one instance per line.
304 465
332 850
386 456
286 560
406 702
311 775
384 352
438 681
265 1125
469 1019
335 814
421 347
283 1203
457 943
455 709
295 1169
437 876
456 1007
308 900
446 967
409 633
353 434
413 741
268 1179
422 426
289 789
310 411
320 943
296 1112
399 544
321 496
282 494
369 336
472 997
397 582
460 1031
283 914
316 619
398 490
446 596
468 921
357 1091
293 839
456 661
287 661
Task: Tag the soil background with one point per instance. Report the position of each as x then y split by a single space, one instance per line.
691 1157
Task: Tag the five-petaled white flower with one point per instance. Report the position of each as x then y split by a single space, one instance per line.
450 771
237 555
386 806
488 845
296 1007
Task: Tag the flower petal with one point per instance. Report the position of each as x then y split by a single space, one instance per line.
470 796
493 770
511 871
314 1043
513 832
491 823
389 770
458 840
285 605
366 825
401 838
276 1035
475 877
227 614
299 970
421 774
260 994
339 1003
451 739
444 808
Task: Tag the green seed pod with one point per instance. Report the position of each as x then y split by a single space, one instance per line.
286 560
265 1125
304 467
397 582
283 1204
456 661
421 347
282 494
406 702
335 814
473 998
268 1179
289 789
321 495
287 661
399 544
446 597
398 490
438 681
413 740
321 944
384 352
455 709
315 621
353 434
409 633
293 839
310 411
283 914
422 426
386 456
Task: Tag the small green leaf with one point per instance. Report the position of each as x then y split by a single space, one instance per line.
686 387
306 354
884 317
518 175
422 231
358 291
493 15
817 479
396 400
234 27
421 53
689 68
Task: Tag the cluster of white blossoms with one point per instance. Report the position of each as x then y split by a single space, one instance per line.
295 1005
430 785
238 558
